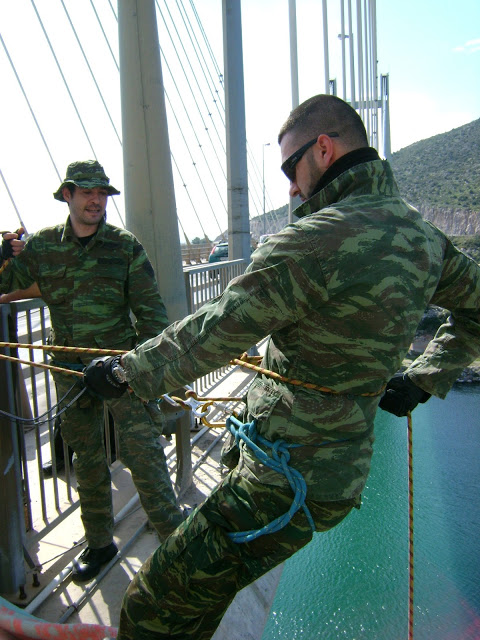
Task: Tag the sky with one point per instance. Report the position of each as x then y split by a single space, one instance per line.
430 50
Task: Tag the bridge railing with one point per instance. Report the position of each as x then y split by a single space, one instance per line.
31 502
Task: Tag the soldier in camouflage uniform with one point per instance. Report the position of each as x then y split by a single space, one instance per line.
92 274
340 292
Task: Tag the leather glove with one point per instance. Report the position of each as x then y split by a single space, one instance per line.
402 395
100 378
6 250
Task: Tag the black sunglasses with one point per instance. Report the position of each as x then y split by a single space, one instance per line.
288 167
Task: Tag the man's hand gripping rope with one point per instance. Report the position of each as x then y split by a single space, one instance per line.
100 378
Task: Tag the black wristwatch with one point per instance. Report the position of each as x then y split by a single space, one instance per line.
118 371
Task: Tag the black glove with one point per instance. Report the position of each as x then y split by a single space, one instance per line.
6 250
100 379
402 396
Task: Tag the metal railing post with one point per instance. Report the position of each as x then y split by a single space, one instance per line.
12 527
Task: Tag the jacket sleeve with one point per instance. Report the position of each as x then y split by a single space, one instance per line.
19 273
457 342
268 297
143 296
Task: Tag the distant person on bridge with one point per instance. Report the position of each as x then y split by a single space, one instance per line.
92 275
340 292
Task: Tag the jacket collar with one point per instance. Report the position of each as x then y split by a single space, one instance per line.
359 172
69 235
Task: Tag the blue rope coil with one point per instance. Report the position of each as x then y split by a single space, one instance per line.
247 432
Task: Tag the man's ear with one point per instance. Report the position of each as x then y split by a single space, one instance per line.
67 196
325 150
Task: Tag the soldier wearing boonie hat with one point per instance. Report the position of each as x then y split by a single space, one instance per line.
86 174
100 288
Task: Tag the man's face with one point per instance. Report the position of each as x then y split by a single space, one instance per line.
87 206
306 173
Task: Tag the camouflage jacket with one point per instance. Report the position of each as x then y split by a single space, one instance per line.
340 293
91 290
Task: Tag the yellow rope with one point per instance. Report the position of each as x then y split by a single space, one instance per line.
4 265
245 361
53 348
190 393
42 365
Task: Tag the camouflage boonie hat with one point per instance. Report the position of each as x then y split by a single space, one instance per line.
86 174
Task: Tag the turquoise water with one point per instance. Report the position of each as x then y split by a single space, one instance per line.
352 582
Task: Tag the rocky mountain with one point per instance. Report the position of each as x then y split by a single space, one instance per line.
439 175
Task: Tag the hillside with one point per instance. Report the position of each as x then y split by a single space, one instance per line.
438 175
442 171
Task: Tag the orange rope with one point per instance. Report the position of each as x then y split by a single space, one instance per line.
410 528
4 265
244 361
42 365
47 347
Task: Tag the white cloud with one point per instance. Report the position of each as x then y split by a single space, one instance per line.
471 46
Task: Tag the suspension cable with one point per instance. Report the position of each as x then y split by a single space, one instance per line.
64 79
71 96
191 68
30 107
196 169
105 35
13 201
203 65
91 72
188 194
195 132
193 95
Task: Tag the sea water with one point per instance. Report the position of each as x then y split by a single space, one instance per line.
352 583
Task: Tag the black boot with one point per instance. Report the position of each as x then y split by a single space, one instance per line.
59 452
90 562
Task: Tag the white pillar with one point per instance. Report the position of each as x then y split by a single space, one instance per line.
236 137
149 191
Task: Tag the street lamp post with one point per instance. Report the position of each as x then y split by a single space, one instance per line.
265 144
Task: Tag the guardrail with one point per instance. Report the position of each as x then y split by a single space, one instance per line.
30 503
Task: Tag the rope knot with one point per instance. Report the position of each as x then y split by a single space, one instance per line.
247 433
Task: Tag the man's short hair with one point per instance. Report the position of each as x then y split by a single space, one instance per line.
324 114
71 187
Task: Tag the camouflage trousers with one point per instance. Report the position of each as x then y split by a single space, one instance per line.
139 449
183 590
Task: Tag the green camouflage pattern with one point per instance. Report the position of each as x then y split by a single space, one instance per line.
139 449
86 174
340 294
184 588
90 290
